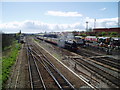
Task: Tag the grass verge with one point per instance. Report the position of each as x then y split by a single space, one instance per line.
8 61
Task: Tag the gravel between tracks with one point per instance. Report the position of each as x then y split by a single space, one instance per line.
64 57
20 76
57 53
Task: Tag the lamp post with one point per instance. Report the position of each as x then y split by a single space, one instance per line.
86 25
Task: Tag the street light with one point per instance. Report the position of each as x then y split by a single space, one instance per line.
86 25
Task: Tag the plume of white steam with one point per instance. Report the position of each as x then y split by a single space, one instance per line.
64 37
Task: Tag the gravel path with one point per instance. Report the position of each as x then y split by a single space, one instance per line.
19 77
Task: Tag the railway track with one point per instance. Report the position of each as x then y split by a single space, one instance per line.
37 81
86 53
113 63
103 74
112 80
111 59
107 62
60 80
108 77
35 75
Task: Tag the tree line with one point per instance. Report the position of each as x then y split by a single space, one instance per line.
8 39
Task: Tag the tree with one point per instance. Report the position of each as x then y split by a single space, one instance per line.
113 33
75 33
7 40
83 34
103 33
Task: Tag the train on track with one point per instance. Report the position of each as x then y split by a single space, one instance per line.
107 42
63 41
73 42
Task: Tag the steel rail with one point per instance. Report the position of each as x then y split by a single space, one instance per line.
30 70
31 81
100 68
112 59
88 54
39 73
109 63
99 71
91 86
94 54
96 67
58 72
49 63
52 65
51 74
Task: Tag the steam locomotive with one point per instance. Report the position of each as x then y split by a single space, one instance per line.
70 44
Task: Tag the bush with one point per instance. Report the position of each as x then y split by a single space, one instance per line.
113 34
104 33
8 61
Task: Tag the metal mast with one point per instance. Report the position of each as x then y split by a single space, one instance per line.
86 25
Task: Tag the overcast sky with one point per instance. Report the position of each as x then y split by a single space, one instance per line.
34 17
